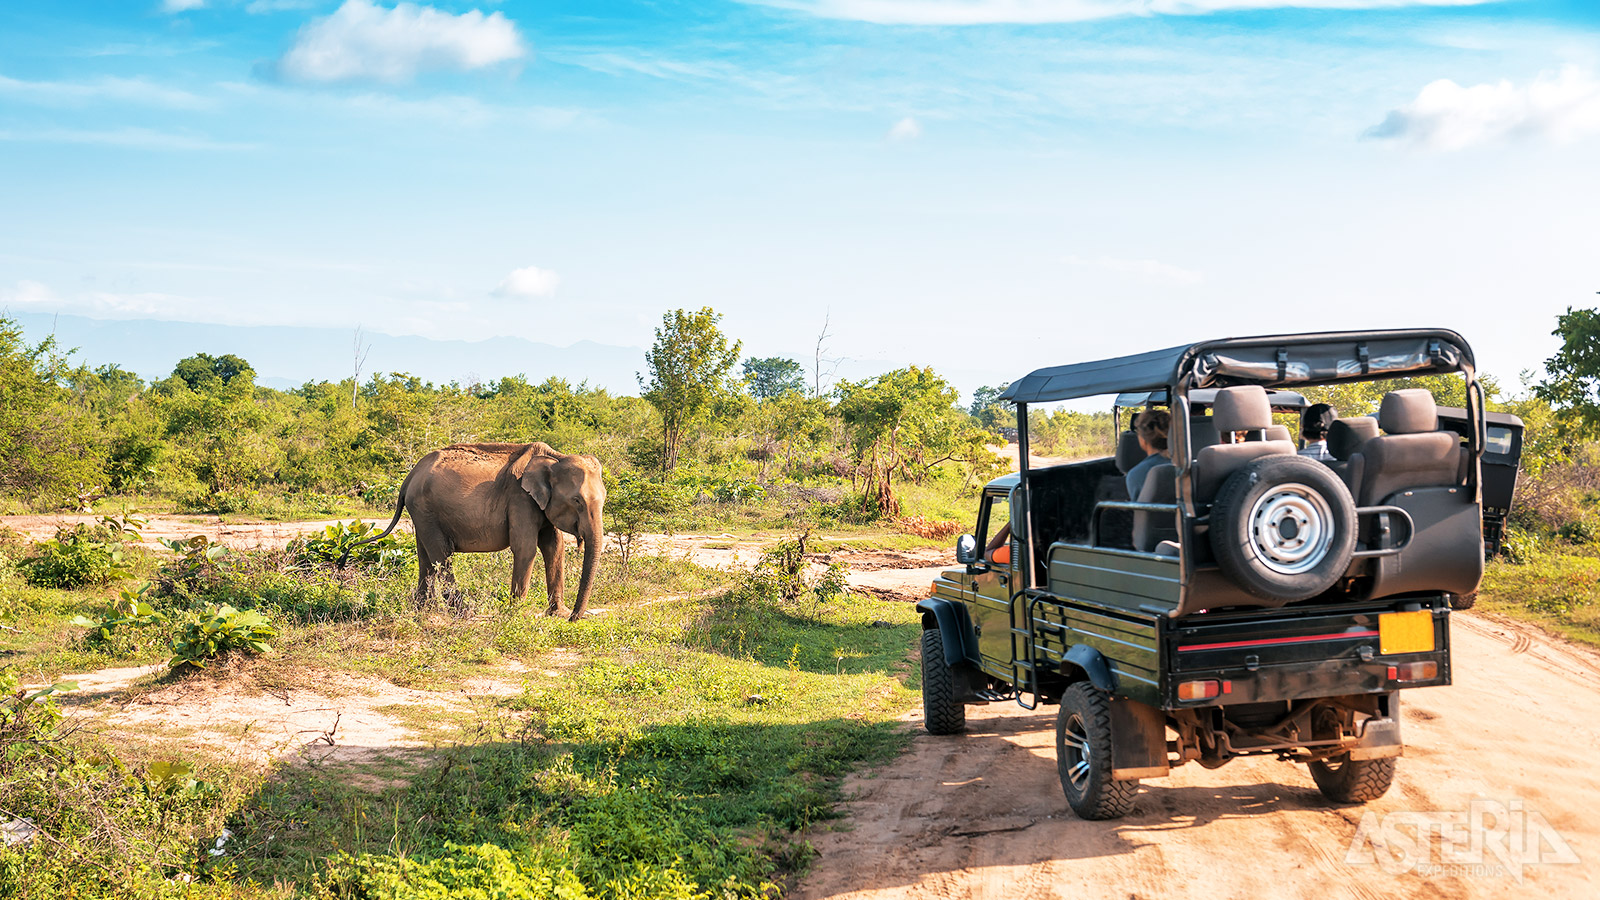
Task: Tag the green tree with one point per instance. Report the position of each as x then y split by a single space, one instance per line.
199 370
47 444
689 364
773 377
901 422
1572 381
990 411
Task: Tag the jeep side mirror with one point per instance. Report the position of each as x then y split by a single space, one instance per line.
966 549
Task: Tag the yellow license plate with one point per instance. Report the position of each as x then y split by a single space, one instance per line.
1405 632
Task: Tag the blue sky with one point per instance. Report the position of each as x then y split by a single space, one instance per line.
983 185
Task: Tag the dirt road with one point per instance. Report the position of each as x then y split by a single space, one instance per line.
981 815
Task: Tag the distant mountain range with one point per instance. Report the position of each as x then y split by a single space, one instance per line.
288 356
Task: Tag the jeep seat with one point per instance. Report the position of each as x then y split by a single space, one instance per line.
1129 452
1202 434
1345 437
1410 453
1151 529
1244 408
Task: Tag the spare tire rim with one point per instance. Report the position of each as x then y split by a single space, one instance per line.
1291 529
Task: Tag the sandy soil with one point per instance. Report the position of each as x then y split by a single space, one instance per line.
350 721
245 536
889 575
981 814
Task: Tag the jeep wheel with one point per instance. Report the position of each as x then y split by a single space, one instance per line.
1346 780
1283 528
1463 601
941 714
1083 755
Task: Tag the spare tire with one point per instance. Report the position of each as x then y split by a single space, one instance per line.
1283 527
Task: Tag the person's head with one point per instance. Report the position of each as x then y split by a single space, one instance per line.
1151 426
1317 420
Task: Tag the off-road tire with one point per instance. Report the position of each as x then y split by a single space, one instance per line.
1463 601
1083 738
1266 560
941 714
1346 780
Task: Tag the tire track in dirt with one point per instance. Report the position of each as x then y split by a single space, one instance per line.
940 822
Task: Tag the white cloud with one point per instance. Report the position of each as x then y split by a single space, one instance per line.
1559 107
77 93
178 6
981 12
529 282
907 129
1146 269
363 41
32 295
137 138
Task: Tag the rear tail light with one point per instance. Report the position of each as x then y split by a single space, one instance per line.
1199 690
1426 670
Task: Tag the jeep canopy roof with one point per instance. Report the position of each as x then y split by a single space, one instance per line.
1270 361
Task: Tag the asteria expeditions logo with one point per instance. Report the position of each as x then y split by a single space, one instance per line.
1490 838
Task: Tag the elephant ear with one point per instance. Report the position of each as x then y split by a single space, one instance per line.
535 478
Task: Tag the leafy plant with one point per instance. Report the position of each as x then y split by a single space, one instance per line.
337 545
129 610
635 504
223 630
81 555
196 556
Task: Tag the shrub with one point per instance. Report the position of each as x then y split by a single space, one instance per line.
337 546
197 558
924 527
129 610
80 555
222 631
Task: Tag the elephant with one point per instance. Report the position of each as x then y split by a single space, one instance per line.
483 498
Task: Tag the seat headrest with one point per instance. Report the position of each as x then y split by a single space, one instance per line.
1411 411
1129 453
1278 433
1345 436
1243 408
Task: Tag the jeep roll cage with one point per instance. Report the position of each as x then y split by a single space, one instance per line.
1179 376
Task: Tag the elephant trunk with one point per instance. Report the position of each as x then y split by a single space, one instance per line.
592 536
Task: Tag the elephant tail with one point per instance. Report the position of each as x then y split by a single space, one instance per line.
399 507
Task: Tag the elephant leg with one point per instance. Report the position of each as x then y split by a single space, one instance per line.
521 569
554 576
424 575
433 560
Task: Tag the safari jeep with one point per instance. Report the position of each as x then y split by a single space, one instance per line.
1249 600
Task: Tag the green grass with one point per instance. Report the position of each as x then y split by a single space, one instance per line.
1558 587
679 743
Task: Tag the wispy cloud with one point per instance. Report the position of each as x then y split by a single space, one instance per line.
1559 107
135 138
1146 269
361 41
34 296
117 90
907 129
178 6
531 281
985 12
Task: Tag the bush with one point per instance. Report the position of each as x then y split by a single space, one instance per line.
129 610
80 555
337 546
222 631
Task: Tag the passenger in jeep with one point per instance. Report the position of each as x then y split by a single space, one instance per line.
1151 426
1314 427
999 549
